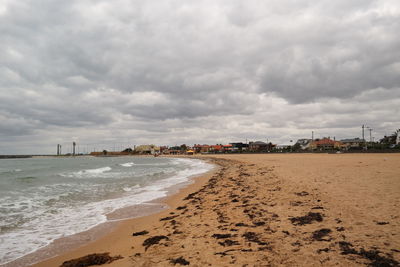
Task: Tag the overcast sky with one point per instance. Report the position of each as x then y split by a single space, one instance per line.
125 72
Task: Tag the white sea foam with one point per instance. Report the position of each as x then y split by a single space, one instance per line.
96 171
129 189
99 172
128 164
50 224
155 164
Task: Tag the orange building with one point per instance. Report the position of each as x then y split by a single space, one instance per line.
325 144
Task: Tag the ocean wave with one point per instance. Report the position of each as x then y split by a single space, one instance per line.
50 219
129 189
95 171
128 164
66 221
88 173
5 171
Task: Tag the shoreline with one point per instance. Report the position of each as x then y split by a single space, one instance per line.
68 244
256 210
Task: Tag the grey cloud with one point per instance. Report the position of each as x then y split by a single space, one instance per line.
154 67
16 126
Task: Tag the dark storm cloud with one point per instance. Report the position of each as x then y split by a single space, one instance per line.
164 68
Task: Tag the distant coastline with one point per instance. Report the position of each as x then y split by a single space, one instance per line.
15 156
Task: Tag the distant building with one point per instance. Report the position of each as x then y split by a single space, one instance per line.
282 147
163 149
227 148
239 147
216 149
326 144
260 146
173 150
353 143
201 148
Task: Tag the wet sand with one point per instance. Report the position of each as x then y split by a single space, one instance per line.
270 210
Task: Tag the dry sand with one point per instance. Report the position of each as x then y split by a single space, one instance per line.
270 210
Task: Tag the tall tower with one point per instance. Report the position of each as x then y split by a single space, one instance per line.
73 148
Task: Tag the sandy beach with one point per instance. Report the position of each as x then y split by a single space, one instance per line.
269 210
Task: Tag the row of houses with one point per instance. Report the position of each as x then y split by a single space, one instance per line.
325 143
322 144
257 146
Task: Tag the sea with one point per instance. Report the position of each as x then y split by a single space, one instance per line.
44 199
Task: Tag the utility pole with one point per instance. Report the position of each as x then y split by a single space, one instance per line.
370 134
363 135
363 126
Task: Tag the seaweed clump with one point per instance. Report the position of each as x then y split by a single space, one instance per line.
307 219
140 233
320 235
154 240
220 236
371 255
91 259
180 261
